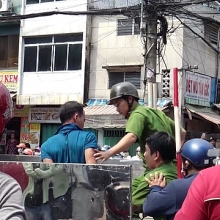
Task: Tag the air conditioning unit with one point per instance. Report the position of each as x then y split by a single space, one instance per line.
4 5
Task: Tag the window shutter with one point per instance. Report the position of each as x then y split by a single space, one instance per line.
125 27
115 78
133 78
211 33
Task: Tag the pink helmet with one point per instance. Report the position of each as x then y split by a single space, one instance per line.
21 145
6 106
28 151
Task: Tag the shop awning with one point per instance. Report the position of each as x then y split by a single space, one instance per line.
103 116
205 113
101 110
102 102
216 105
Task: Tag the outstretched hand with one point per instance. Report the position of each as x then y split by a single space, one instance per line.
156 180
102 155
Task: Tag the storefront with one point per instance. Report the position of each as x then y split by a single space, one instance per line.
199 97
10 80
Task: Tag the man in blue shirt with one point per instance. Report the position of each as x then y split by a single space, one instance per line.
167 201
70 144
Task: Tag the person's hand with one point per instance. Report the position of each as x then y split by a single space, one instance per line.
156 180
102 155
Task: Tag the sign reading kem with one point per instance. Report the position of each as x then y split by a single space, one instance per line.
10 80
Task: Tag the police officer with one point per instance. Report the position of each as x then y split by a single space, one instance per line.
142 121
167 201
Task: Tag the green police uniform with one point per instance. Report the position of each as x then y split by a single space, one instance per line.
144 121
140 188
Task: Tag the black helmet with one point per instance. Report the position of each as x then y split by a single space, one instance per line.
195 150
123 89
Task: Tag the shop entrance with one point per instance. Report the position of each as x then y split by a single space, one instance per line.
13 126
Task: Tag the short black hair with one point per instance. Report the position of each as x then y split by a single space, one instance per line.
164 144
27 145
69 109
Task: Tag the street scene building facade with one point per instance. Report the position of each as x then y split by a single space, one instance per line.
57 51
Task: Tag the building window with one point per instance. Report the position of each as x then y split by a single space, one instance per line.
53 53
211 33
28 2
9 51
127 27
132 77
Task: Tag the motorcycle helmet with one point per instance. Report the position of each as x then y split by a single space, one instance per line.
105 148
37 151
195 151
123 89
21 145
28 152
6 107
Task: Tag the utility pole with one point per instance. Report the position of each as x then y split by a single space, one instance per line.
150 55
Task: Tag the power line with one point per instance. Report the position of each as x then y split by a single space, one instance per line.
117 11
203 39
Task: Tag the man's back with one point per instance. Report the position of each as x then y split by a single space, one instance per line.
68 145
203 196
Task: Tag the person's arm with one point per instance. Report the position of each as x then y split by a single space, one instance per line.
53 170
160 201
134 129
89 156
122 145
90 146
47 160
195 200
29 170
45 155
11 199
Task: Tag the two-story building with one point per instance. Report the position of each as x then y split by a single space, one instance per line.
51 65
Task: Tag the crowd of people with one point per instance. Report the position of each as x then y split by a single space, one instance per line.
13 147
157 192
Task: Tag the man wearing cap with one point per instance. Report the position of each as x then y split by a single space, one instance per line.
11 199
142 121
166 200
21 148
